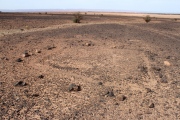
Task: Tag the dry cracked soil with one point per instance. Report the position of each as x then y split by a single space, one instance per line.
105 68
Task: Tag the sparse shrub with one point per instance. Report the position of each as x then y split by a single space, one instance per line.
175 19
77 17
147 18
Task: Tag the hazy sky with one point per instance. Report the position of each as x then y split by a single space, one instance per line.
162 6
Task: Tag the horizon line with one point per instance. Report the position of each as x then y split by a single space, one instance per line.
79 10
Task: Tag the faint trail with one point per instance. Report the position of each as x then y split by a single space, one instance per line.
69 25
163 33
16 31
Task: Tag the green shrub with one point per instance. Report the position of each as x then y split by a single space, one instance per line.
147 18
77 17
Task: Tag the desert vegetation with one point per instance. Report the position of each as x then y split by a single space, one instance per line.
77 17
147 18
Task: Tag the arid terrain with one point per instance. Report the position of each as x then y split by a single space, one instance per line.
108 67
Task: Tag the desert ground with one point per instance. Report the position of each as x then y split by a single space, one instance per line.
108 67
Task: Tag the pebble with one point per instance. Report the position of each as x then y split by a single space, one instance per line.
122 98
157 68
163 80
25 55
151 105
100 83
19 60
148 90
50 47
20 84
38 51
166 63
88 44
74 87
160 75
110 94
41 76
35 95
4 58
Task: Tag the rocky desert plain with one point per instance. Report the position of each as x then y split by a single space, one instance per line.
108 67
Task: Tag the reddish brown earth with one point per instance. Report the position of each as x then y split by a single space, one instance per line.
125 68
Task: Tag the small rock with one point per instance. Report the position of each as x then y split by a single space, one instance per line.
38 51
168 57
50 47
163 80
160 75
35 95
22 29
41 76
20 84
74 87
151 105
25 55
110 94
19 60
166 63
4 58
114 46
100 83
122 98
157 68
143 69
16 97
88 44
148 90
116 103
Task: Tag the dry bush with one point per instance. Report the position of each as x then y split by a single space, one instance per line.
77 17
147 18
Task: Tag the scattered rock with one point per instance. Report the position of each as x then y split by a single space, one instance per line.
50 47
19 60
177 95
166 63
110 94
38 51
150 55
116 103
4 58
35 95
151 105
160 75
16 97
168 57
41 76
143 69
88 44
163 80
74 87
122 98
114 46
156 68
148 90
20 84
26 54
100 83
